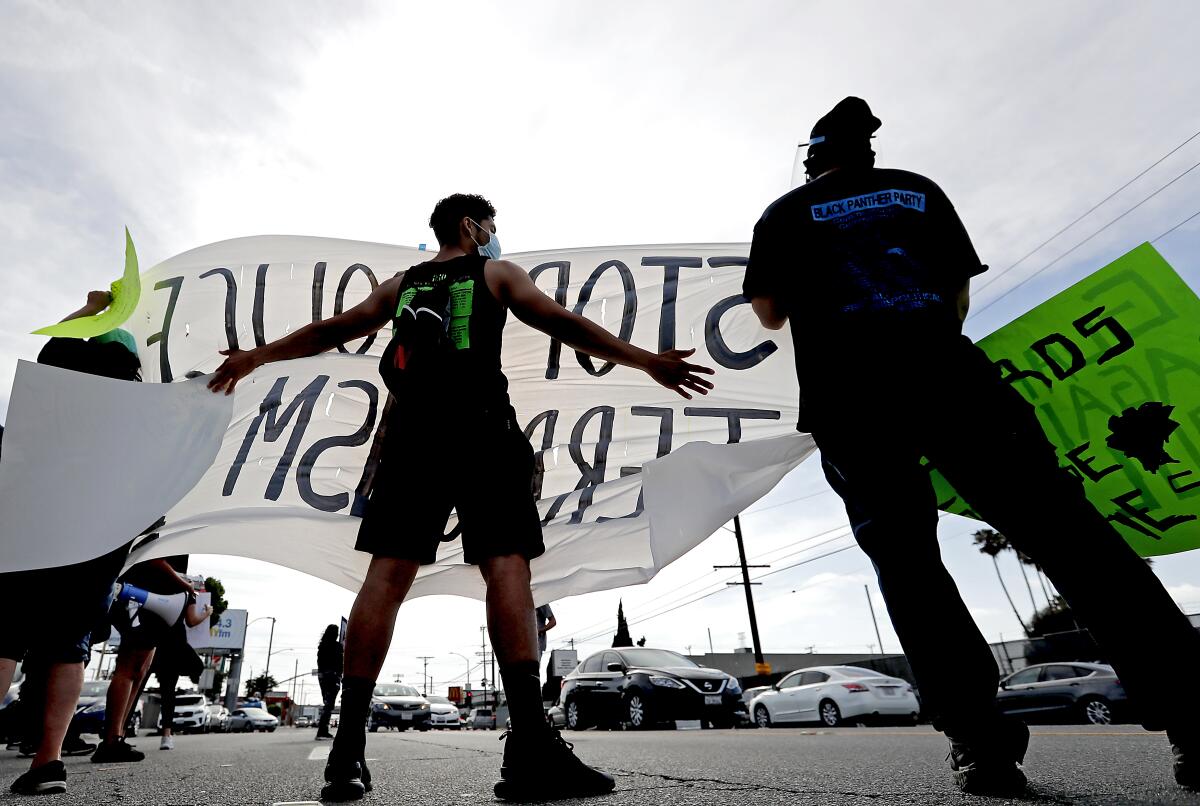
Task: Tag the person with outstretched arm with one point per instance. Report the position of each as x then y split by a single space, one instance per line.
453 442
871 268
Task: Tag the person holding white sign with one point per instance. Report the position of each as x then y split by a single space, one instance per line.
872 267
453 442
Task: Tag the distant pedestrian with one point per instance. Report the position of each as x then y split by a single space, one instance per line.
545 623
329 675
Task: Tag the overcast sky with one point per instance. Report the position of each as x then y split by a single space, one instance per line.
637 123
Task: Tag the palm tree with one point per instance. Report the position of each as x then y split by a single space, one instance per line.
991 543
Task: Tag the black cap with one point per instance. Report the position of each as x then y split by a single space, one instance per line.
851 120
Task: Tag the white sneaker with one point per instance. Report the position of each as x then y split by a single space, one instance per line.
167 743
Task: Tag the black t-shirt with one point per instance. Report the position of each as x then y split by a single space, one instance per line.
867 264
444 357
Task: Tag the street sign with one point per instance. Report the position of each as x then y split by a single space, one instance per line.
563 661
455 694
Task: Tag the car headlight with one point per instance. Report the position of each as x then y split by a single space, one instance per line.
382 706
94 708
425 707
666 682
733 686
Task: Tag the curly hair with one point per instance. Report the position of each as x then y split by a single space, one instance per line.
448 212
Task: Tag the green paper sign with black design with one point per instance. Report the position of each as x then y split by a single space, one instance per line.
1112 366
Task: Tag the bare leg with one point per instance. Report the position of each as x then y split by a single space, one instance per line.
132 665
373 617
65 681
8 668
511 622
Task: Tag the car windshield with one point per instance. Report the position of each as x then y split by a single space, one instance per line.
395 690
255 712
655 657
194 699
442 700
97 688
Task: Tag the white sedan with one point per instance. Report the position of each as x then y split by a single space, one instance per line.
832 695
250 719
443 713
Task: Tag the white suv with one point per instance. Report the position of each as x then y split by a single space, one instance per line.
191 713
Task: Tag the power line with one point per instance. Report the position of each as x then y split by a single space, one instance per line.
1088 238
1177 226
1091 210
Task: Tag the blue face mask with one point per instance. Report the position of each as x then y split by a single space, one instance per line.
491 249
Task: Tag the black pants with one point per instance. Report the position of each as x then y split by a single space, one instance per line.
986 440
331 683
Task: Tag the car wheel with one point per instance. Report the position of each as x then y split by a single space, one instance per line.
373 727
762 717
831 715
574 716
637 711
1096 711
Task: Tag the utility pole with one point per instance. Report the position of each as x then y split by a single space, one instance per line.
483 660
760 664
295 677
425 674
711 651
867 588
270 643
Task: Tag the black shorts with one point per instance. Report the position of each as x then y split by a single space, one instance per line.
479 465
59 611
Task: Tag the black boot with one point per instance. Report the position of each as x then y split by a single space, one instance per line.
1185 746
346 774
343 782
541 765
988 761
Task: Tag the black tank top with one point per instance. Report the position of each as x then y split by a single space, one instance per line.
447 329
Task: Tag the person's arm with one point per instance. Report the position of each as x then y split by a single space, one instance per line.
536 309
550 624
195 614
97 301
317 337
761 285
770 312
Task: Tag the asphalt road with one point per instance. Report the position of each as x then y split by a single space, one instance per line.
1086 765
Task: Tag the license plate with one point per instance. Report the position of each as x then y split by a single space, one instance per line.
888 692
712 699
405 715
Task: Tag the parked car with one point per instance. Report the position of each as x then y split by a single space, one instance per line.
191 713
643 688
443 713
833 695
302 721
218 716
556 715
481 719
394 705
251 719
1081 692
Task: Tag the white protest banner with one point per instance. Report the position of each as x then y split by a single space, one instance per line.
292 471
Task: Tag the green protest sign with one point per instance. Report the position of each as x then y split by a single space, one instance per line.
125 294
1112 366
